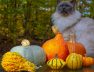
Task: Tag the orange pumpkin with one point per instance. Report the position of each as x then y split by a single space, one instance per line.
55 46
88 61
75 47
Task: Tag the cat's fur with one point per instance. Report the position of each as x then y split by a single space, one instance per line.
83 27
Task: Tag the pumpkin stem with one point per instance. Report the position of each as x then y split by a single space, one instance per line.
72 39
56 55
25 42
55 29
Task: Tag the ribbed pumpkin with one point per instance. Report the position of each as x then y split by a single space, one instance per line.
74 46
88 61
74 61
32 53
56 63
55 46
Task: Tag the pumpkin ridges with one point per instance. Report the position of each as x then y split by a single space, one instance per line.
61 63
79 48
67 60
56 63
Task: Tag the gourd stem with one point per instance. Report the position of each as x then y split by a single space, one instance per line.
72 39
25 43
55 29
56 55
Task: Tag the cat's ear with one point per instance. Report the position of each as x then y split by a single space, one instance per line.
73 2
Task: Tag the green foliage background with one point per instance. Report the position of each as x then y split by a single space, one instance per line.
30 19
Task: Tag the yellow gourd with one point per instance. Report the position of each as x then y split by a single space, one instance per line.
14 62
74 61
56 63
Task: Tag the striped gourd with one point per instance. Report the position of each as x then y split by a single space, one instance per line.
56 63
74 61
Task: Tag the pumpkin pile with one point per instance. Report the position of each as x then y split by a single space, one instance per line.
56 51
13 61
74 53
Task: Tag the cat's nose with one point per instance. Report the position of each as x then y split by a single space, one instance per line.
64 8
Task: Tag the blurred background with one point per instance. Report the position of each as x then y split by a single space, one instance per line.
30 19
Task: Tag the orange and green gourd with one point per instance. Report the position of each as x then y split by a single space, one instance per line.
56 63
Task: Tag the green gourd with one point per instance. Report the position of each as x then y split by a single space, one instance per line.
56 63
32 53
74 61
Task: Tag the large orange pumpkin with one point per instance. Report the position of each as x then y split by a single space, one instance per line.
74 46
55 46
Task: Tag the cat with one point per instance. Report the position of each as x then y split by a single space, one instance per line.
68 19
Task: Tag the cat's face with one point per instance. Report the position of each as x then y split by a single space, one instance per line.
66 8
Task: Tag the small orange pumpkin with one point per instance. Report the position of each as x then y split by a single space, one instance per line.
55 46
88 61
75 47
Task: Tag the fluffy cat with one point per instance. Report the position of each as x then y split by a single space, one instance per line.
67 19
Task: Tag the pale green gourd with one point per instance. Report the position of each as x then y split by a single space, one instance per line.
32 53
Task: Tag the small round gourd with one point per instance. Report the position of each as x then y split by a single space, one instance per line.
32 53
74 61
56 63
